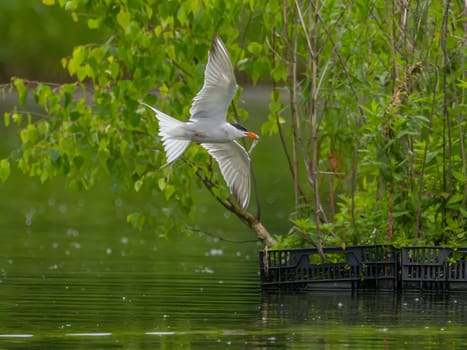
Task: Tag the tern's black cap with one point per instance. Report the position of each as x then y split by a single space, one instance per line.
239 127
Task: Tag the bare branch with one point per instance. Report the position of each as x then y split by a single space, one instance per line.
242 214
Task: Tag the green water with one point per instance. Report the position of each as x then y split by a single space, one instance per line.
73 274
76 288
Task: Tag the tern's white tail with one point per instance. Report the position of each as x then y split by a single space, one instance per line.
174 146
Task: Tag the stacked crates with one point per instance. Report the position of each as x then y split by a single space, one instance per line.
351 268
380 267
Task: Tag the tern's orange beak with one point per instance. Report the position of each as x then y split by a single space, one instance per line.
252 135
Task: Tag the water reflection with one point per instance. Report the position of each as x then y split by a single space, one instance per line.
204 300
376 320
184 294
65 285
383 309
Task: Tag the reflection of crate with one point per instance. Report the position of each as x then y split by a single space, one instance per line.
352 268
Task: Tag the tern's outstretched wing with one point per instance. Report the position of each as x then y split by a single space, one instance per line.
234 163
219 87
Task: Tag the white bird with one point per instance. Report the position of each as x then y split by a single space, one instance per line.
208 126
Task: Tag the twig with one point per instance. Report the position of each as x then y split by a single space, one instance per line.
291 51
447 141
307 38
310 240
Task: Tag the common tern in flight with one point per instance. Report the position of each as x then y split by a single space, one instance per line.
208 126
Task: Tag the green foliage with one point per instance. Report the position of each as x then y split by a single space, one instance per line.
389 121
370 112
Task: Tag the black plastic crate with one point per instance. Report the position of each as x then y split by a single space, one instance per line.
354 267
365 267
378 265
457 269
424 267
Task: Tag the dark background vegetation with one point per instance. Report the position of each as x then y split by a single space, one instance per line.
36 37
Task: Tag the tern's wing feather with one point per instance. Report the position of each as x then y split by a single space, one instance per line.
219 86
234 163
170 131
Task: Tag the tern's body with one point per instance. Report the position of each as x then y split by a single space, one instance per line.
208 126
206 131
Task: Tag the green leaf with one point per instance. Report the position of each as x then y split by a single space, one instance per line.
81 73
43 128
6 118
169 191
164 90
29 135
48 2
457 198
255 48
279 73
270 127
138 185
275 107
54 155
78 161
136 220
93 23
17 118
78 57
21 90
124 19
459 176
69 5
42 93
161 183
4 169
44 176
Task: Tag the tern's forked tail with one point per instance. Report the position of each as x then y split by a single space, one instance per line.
174 146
